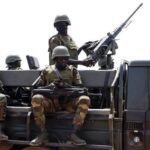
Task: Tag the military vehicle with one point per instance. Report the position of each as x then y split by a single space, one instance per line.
118 119
119 116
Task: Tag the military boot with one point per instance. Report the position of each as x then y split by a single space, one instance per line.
75 139
41 139
3 137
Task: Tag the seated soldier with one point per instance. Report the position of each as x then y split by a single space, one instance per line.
13 62
3 104
42 104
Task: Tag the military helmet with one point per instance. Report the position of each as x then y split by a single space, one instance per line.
60 51
62 18
12 58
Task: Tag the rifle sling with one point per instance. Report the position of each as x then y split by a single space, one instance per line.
58 73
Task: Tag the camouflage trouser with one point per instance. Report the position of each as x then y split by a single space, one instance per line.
40 105
3 104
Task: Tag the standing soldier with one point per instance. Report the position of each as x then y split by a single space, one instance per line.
13 62
62 38
42 104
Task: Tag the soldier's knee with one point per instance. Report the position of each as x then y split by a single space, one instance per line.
84 100
3 104
37 97
37 100
3 98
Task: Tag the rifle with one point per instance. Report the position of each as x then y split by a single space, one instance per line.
52 90
97 49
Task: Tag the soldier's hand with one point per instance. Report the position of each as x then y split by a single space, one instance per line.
58 83
86 45
88 62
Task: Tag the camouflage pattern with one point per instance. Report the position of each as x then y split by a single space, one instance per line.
3 104
70 75
41 104
65 41
83 104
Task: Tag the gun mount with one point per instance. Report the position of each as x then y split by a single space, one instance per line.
98 50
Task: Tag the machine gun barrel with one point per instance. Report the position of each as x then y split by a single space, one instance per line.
101 49
125 22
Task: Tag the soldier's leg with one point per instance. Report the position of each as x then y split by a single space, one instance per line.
38 107
83 104
3 105
5 146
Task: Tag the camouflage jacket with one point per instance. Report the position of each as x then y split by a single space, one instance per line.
70 75
65 41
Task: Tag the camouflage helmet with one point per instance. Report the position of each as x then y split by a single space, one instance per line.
62 18
12 58
60 51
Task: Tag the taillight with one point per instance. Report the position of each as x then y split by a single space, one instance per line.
136 137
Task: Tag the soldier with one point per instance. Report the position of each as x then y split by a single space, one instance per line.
62 38
13 62
41 104
3 104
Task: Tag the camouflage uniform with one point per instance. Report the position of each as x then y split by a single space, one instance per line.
3 105
62 38
65 41
41 104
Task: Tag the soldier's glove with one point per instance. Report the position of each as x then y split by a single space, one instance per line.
86 45
88 62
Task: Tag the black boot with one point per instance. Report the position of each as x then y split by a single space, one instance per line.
3 137
74 138
41 139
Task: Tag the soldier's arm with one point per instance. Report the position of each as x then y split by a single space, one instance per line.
41 80
76 77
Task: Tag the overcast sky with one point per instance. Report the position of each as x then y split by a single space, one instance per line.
26 25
